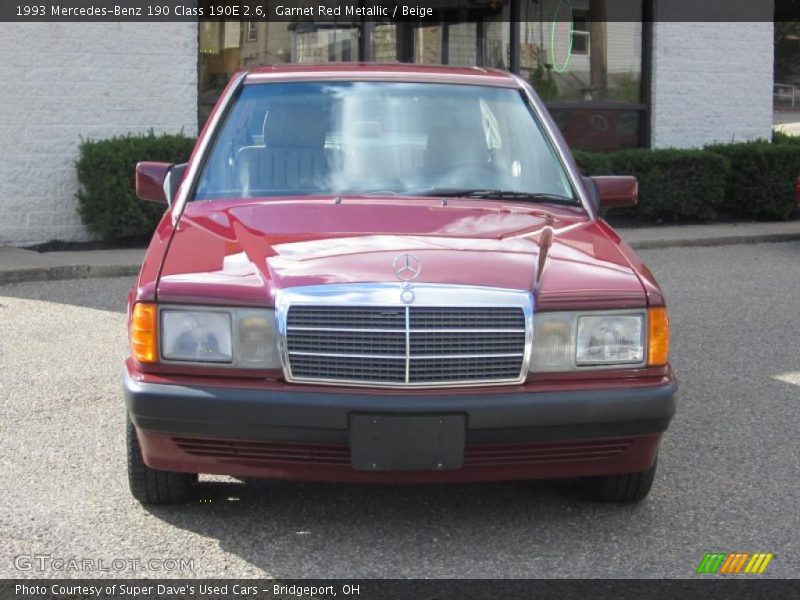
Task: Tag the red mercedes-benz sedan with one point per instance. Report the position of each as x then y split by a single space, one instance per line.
394 274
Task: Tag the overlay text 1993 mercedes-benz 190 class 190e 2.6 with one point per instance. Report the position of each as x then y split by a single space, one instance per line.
391 273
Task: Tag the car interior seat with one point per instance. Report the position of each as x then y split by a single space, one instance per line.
450 146
293 156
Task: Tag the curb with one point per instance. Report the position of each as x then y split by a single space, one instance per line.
727 240
64 272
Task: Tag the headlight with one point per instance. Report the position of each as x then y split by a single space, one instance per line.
196 336
609 340
240 338
553 342
256 344
571 341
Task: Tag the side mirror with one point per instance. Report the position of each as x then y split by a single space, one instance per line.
150 179
158 182
617 191
797 191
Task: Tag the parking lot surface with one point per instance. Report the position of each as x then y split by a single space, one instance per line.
728 477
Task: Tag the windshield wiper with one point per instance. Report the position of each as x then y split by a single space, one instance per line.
497 194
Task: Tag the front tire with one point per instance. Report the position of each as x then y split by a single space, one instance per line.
624 488
153 486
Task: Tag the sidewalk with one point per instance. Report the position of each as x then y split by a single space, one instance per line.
18 265
676 236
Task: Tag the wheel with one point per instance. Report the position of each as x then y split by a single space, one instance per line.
622 489
153 486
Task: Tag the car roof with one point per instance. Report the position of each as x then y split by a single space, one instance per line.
381 72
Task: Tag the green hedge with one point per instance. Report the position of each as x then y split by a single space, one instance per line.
778 137
761 179
593 163
752 180
674 185
107 200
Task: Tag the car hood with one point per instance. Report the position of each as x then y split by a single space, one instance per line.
243 252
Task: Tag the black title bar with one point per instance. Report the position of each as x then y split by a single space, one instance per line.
424 11
729 588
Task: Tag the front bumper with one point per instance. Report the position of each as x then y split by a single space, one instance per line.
304 434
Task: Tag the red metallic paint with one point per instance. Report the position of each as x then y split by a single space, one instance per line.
145 288
150 178
655 297
797 191
493 462
233 233
252 248
242 251
617 191
273 381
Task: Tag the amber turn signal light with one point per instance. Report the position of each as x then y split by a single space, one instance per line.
143 332
658 337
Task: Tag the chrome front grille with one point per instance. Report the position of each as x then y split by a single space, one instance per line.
364 335
445 317
350 317
432 343
378 369
347 342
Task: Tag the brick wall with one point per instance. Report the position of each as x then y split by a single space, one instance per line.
61 81
712 82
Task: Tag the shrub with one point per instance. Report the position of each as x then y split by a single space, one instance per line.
593 163
107 200
674 185
779 137
761 181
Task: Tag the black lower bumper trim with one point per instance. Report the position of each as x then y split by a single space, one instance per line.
324 416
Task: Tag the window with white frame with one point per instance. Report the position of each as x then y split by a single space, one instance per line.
580 32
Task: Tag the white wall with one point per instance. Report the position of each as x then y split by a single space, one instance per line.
61 81
712 82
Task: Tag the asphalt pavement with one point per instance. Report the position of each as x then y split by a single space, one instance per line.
728 477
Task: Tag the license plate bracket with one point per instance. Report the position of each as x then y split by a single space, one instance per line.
407 442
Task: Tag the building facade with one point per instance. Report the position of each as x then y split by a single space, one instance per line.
615 74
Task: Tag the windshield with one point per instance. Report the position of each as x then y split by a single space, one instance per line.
292 139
